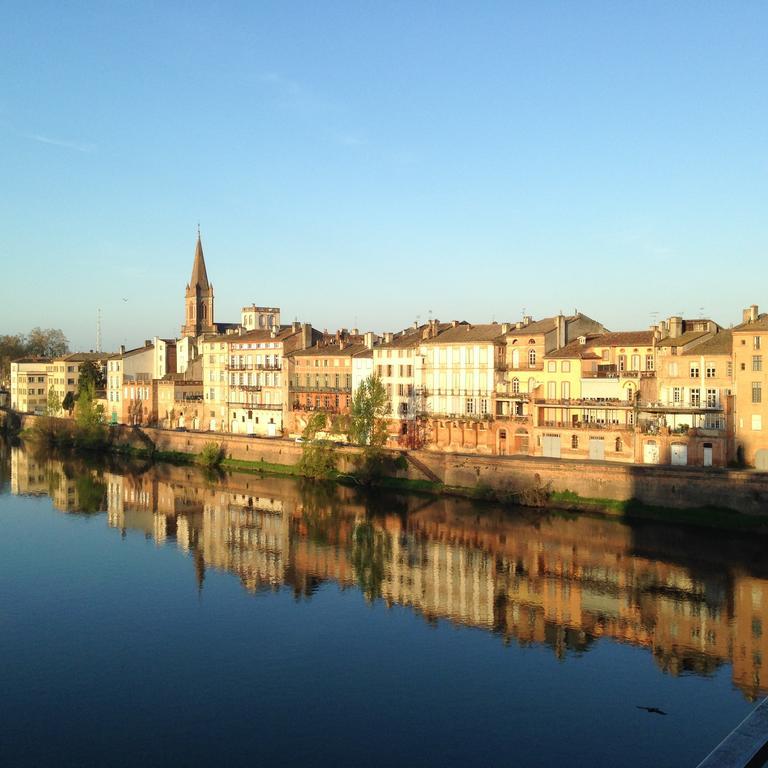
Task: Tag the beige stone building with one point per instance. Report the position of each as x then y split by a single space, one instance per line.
131 397
29 384
750 386
64 373
179 401
245 389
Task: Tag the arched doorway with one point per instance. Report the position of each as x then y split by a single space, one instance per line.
521 441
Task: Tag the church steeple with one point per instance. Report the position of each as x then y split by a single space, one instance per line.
198 299
199 275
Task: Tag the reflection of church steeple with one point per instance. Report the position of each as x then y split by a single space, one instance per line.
198 301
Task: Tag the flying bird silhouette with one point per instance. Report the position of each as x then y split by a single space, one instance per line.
652 710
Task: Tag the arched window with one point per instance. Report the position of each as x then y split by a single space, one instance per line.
202 311
619 445
531 357
515 386
574 441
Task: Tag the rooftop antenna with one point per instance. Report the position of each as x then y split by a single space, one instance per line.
98 330
430 315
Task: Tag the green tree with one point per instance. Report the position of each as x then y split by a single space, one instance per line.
11 348
370 407
89 419
54 403
318 457
69 403
91 371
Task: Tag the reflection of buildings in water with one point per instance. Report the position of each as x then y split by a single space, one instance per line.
558 581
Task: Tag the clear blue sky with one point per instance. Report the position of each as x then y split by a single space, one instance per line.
367 162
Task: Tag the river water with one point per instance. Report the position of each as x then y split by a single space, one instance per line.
161 615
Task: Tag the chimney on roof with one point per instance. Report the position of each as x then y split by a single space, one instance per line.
295 326
560 329
675 326
369 339
354 332
454 323
147 342
342 344
388 337
505 327
753 313
415 324
122 349
526 320
306 336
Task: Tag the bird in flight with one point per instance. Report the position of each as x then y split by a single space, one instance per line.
652 710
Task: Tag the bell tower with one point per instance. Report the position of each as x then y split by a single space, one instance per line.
198 300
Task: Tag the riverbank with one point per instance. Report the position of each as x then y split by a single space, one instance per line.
715 498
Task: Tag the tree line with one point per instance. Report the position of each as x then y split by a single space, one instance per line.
39 342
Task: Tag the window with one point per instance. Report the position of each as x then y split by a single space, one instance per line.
574 441
635 362
672 368
711 372
551 390
757 362
619 445
711 398
483 406
622 362
566 366
694 370
676 395
757 392
755 342
470 405
729 369
531 357
649 363
565 389
551 366
695 397
515 386
757 422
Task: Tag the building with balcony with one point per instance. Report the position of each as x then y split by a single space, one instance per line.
245 389
320 378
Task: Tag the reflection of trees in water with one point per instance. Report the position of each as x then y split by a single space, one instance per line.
91 494
321 511
371 551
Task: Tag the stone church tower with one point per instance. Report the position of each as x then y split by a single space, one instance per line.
198 302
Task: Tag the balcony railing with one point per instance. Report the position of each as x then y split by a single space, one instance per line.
305 407
611 372
321 389
588 425
253 367
586 402
255 406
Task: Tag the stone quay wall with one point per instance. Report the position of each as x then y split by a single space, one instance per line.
665 486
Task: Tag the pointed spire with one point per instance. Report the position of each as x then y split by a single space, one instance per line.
199 275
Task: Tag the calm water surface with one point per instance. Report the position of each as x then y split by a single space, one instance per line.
158 616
